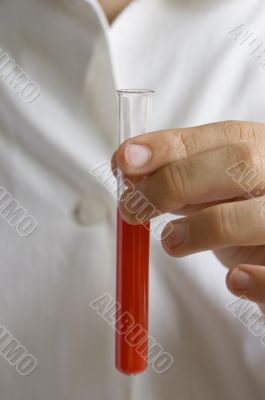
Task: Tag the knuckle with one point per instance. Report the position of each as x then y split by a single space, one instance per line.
224 218
240 152
248 153
189 141
247 132
241 132
177 179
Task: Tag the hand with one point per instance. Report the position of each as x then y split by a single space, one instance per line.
214 175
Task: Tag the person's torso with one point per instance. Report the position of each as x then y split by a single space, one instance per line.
48 147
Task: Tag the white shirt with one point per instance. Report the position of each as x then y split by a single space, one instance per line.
181 50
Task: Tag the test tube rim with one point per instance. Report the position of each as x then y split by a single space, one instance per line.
124 92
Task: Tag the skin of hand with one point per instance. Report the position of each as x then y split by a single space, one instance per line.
113 8
214 177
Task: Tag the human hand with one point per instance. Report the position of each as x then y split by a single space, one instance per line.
214 175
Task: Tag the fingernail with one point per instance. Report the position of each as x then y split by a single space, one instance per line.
137 155
239 279
177 236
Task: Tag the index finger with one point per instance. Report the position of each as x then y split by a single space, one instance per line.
144 154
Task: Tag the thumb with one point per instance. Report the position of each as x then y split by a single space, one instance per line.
247 280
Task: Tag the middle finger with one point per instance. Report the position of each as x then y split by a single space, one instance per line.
197 180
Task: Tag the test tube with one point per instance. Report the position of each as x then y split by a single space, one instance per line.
135 108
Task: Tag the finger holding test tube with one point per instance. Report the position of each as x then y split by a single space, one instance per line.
132 251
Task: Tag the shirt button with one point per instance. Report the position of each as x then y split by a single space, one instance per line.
91 211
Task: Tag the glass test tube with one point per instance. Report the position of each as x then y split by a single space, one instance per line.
132 251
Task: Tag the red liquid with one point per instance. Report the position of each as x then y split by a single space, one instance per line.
132 295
